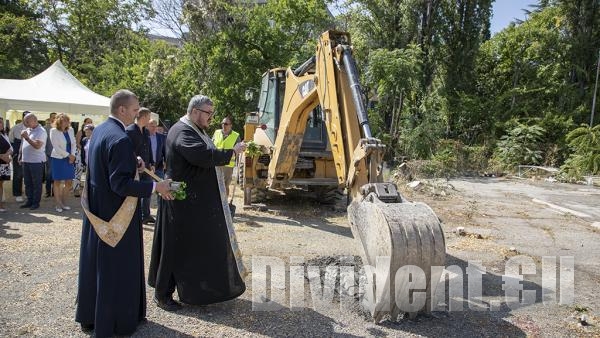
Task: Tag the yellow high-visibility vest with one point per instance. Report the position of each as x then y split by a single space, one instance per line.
227 143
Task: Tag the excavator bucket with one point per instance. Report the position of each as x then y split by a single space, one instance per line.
398 238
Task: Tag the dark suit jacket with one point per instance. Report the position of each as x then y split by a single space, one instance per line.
159 157
141 143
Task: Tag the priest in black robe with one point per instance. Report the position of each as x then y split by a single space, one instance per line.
194 248
111 297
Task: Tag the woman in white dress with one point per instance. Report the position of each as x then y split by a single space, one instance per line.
62 159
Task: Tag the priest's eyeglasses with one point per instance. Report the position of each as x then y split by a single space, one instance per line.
210 113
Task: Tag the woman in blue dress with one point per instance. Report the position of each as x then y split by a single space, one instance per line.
62 159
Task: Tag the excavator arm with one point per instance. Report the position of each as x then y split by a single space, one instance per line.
333 83
300 99
394 233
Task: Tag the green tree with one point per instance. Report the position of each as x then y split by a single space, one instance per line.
400 39
465 25
396 76
81 32
23 51
582 19
522 72
421 131
397 24
448 35
232 45
151 69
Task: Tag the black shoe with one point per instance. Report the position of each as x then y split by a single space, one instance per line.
149 220
34 206
87 327
168 304
26 205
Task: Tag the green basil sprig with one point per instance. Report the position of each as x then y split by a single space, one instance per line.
180 194
253 149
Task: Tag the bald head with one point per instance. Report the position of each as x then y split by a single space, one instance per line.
30 120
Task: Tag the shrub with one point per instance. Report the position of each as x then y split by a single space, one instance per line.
522 145
585 159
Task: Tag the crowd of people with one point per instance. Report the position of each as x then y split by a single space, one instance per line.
33 153
52 157
126 161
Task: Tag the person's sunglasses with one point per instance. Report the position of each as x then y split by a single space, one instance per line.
225 124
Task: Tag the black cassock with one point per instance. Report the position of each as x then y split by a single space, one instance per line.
191 249
111 291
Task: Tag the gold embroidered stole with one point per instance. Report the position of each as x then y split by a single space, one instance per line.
112 231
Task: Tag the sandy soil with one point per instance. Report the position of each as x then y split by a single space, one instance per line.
39 257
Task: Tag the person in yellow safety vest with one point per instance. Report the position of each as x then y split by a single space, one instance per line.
226 138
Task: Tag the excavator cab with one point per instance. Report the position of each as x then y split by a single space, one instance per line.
403 242
270 101
314 171
270 104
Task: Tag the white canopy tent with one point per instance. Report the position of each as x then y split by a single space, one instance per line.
53 90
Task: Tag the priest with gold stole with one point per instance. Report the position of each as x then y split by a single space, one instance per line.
195 250
111 297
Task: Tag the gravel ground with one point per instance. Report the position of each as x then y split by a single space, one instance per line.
39 265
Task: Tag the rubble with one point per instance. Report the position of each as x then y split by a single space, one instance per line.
583 320
415 185
460 231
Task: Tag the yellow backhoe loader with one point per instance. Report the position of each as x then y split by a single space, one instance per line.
313 130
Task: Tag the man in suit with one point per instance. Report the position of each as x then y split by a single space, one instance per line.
111 296
157 148
140 138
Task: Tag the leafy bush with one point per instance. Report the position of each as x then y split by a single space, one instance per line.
422 128
448 157
476 158
557 126
522 145
447 160
453 158
442 164
585 159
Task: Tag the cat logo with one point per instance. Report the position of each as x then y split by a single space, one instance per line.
305 87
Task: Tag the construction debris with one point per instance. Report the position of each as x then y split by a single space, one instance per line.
583 320
415 185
